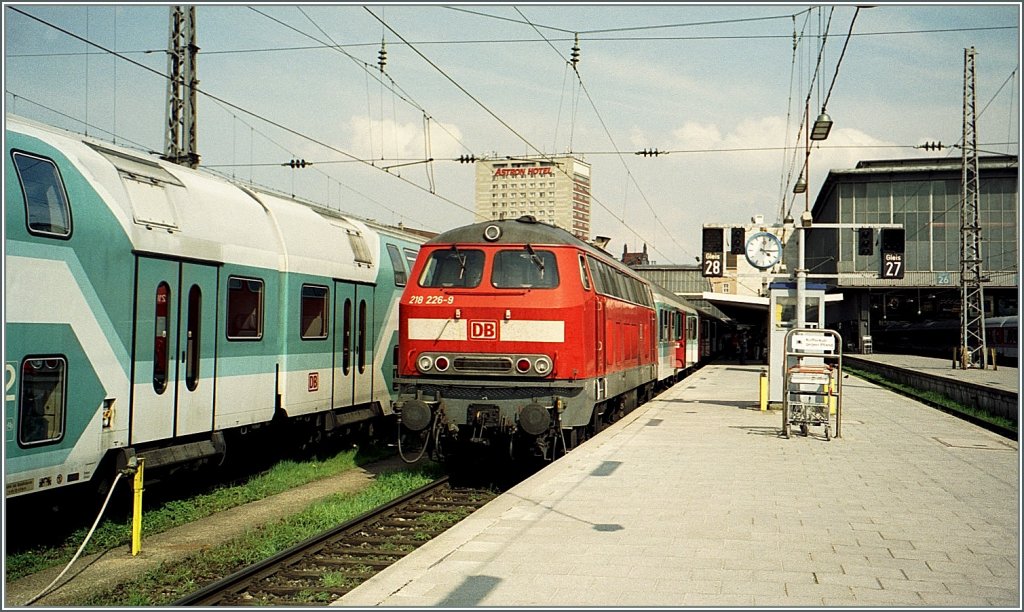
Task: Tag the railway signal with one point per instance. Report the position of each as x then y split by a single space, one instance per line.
865 241
738 241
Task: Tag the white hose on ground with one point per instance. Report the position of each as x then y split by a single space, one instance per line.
80 548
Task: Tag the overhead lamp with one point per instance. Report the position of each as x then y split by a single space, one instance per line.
822 126
801 185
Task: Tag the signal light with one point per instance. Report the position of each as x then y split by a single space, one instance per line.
738 236
865 241
523 365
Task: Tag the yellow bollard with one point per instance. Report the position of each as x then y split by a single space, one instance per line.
764 390
832 391
137 510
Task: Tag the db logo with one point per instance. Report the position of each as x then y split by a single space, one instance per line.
483 330
314 381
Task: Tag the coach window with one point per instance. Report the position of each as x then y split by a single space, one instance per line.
398 265
161 337
245 309
453 267
195 300
46 202
522 268
361 339
583 274
410 258
43 400
313 323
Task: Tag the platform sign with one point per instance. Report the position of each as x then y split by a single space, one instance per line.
813 343
712 245
892 265
893 246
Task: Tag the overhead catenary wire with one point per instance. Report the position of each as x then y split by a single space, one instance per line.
238 107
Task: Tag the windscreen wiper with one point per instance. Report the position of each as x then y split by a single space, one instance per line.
535 259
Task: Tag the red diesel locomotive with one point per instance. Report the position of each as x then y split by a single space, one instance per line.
514 334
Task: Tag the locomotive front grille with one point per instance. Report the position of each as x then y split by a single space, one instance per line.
490 365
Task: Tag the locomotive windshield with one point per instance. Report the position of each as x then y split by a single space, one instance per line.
524 268
453 268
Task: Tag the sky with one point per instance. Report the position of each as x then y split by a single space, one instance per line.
721 91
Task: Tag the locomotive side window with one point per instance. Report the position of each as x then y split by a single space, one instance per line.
161 337
528 269
245 309
46 202
398 265
597 273
313 323
43 400
195 303
583 274
453 267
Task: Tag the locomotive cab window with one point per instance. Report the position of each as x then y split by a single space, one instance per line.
453 267
313 322
245 309
43 400
524 268
47 212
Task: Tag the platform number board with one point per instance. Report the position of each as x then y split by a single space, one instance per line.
712 258
893 246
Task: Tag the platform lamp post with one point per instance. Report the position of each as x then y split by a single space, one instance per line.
819 131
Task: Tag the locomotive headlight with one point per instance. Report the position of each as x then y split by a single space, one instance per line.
523 365
424 363
542 365
441 363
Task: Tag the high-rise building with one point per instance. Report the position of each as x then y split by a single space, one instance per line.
554 190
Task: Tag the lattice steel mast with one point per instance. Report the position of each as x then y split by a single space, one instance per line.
180 137
972 304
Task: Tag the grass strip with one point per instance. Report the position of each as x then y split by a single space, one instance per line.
111 534
932 397
172 581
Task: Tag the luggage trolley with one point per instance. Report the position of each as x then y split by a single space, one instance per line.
812 376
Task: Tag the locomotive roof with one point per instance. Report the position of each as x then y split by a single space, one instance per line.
513 231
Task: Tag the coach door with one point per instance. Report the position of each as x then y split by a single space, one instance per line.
175 338
353 345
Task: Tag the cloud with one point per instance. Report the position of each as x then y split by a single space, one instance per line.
387 139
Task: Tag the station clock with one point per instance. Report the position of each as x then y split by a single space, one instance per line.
764 250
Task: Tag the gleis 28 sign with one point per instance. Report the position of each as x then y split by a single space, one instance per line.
712 260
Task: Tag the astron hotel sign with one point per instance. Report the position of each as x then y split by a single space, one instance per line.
542 171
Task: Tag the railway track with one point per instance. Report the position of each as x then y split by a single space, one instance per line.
325 567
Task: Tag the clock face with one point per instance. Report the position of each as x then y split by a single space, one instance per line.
763 250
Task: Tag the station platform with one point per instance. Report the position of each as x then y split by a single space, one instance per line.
695 499
1004 378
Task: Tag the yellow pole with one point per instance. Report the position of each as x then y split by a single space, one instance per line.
764 390
137 510
832 391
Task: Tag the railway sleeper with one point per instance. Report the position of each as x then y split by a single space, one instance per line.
368 552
